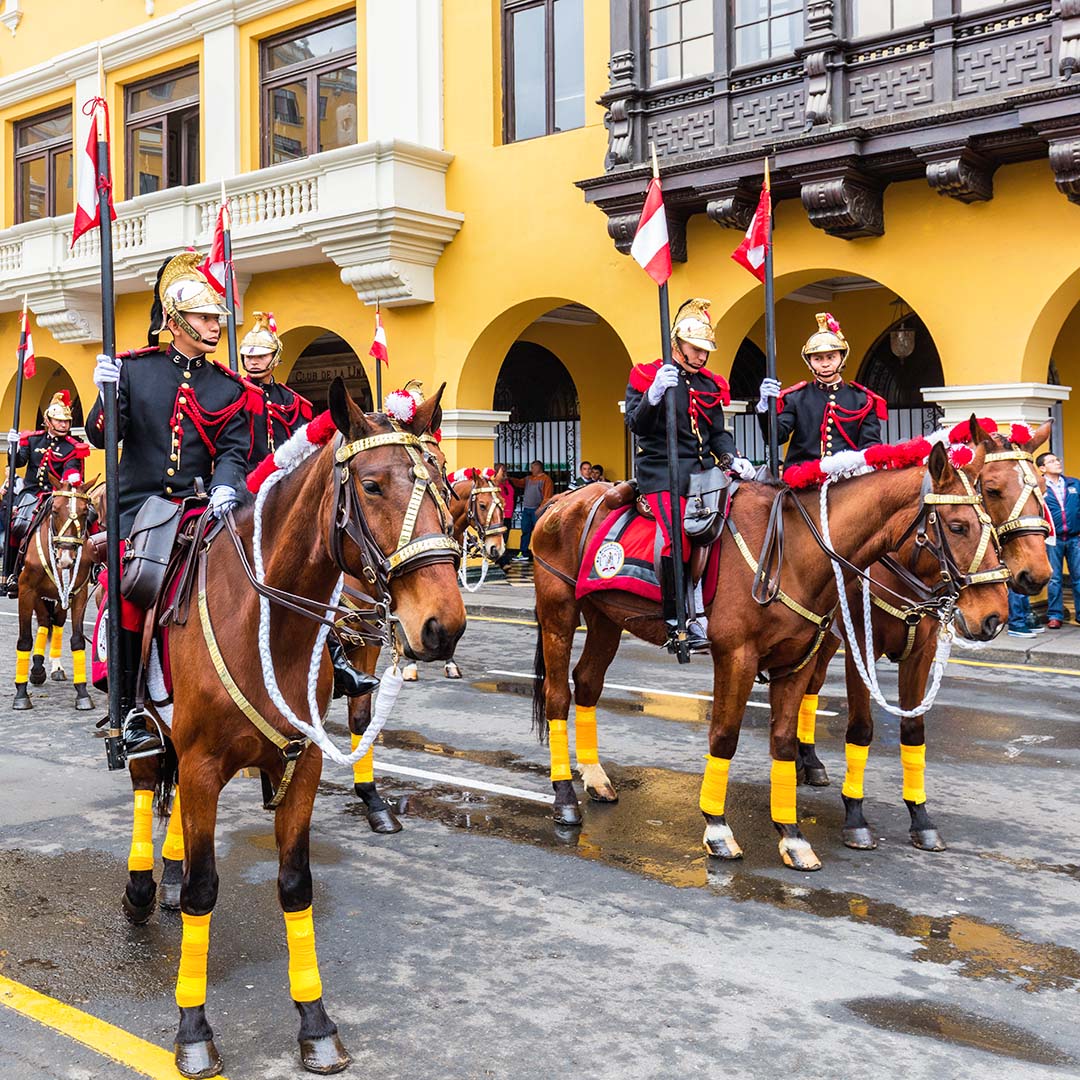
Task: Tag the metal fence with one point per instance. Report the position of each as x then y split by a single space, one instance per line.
554 442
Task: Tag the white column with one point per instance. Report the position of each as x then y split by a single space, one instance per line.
1007 403
471 423
404 64
219 115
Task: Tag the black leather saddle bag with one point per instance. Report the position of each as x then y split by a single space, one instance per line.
149 548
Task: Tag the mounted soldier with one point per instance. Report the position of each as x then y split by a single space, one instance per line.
703 439
48 455
824 415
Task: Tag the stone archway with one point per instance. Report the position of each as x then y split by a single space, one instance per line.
313 357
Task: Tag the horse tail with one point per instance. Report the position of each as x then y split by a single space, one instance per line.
167 778
539 711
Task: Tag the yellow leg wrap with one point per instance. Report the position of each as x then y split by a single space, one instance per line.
363 771
856 766
194 946
714 785
782 792
78 666
56 643
585 735
41 639
173 848
913 759
22 667
304 981
559 745
807 718
141 856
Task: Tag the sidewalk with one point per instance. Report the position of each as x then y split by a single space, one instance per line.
515 598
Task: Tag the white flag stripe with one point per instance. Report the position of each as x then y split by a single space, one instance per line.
650 238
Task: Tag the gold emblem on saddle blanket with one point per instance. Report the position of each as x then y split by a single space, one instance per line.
609 559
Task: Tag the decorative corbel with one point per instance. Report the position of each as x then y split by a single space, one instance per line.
961 173
1069 57
617 118
847 204
732 209
819 26
1065 161
12 15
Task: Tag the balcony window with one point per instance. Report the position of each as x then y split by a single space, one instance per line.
680 39
880 16
308 81
767 28
161 122
543 67
43 167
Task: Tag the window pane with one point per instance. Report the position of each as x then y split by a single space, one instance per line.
147 160
911 12
786 34
51 127
750 10
751 43
337 108
307 46
63 182
784 7
166 92
664 26
529 74
288 122
871 17
32 189
696 18
664 64
697 56
569 65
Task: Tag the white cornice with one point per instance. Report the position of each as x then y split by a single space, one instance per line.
471 423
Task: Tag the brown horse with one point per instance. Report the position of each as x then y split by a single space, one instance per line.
1011 495
55 580
869 515
476 507
365 506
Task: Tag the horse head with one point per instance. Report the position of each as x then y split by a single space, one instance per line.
481 513
69 521
398 493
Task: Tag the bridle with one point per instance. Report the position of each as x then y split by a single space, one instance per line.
1016 524
70 536
478 527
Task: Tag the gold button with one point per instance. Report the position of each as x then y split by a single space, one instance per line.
187 374
185 386
168 491
170 472
172 457
179 416
183 400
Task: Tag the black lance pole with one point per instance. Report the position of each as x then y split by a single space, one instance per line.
682 648
770 336
378 368
230 283
13 449
114 743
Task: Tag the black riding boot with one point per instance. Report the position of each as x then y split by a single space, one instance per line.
694 638
138 738
348 682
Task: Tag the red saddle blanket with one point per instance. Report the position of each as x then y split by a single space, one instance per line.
624 555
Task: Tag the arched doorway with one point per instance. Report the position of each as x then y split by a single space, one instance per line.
51 378
747 371
535 387
322 361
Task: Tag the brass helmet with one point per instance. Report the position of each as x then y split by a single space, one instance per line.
262 338
60 406
184 289
693 325
826 339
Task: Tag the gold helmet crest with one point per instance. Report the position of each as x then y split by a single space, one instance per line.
693 325
60 406
827 338
262 338
184 290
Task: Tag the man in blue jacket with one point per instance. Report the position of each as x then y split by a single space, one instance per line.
1063 502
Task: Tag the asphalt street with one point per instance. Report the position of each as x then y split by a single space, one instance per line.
480 942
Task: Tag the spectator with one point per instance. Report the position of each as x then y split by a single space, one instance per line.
1021 620
584 477
506 490
1063 502
537 488
598 474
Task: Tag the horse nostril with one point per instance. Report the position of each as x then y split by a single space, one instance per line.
1023 583
990 626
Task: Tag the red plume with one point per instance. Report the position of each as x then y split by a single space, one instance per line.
831 323
65 397
959 456
1020 434
961 433
805 474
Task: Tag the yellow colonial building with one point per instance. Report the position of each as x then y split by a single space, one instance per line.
476 166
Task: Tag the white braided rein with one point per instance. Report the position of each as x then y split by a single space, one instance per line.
64 580
463 574
867 668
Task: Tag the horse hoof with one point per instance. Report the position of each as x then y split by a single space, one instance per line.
816 776
861 839
798 854
720 842
604 794
410 673
37 675
172 878
324 1055
58 675
567 815
137 915
452 671
22 701
383 822
927 840
84 703
197 1059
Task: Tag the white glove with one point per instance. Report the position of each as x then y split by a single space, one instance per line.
107 371
770 388
222 500
12 437
743 468
667 376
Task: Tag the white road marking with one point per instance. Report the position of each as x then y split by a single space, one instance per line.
650 690
464 782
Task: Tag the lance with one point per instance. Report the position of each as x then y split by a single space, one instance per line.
770 332
13 447
378 367
230 281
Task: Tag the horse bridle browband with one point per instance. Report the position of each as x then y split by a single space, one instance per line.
1015 524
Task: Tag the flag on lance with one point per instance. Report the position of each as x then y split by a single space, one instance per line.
378 344
751 252
26 348
88 208
650 248
214 268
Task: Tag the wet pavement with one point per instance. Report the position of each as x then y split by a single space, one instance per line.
483 942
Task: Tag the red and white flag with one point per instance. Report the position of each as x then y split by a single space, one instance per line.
88 209
214 268
378 344
650 248
751 252
26 340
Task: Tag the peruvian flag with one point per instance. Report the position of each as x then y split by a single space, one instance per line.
214 268
751 252
378 344
27 342
650 248
88 210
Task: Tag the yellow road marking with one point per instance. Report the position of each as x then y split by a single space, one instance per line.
103 1038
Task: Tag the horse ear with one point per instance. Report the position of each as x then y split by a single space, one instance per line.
979 434
941 471
1040 435
428 414
346 414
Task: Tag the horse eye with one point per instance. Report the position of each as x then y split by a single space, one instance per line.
371 487
994 493
957 527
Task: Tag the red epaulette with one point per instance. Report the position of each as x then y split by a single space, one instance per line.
26 436
307 410
721 384
642 375
82 450
146 350
881 407
787 390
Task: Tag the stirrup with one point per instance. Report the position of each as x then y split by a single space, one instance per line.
129 728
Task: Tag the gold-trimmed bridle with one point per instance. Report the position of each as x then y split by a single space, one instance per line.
1016 523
